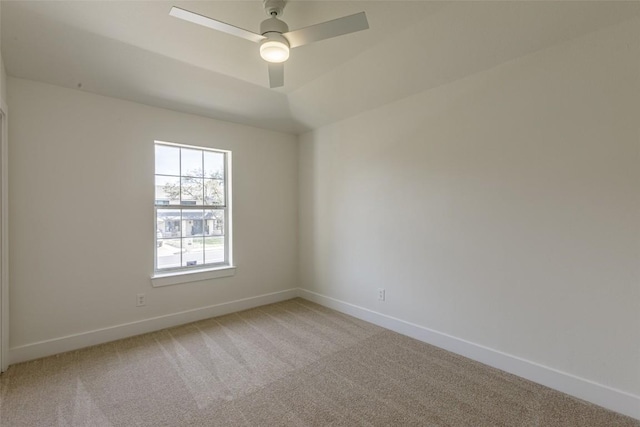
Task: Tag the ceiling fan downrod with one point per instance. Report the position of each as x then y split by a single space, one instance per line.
274 7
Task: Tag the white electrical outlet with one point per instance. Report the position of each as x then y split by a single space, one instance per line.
140 300
381 294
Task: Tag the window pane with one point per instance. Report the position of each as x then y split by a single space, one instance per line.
213 165
167 160
169 253
192 223
167 190
191 191
214 249
168 223
194 254
214 222
213 192
191 162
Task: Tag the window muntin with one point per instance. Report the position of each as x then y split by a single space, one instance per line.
191 208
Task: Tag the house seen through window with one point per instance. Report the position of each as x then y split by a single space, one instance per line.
191 207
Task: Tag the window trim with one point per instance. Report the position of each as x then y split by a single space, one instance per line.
177 275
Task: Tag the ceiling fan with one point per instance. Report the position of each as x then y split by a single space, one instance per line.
275 38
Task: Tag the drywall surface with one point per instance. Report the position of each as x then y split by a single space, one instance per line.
4 303
82 217
502 208
3 79
3 73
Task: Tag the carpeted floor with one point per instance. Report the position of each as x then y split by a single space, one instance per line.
291 363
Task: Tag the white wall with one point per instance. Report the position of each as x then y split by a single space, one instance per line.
3 73
502 209
3 79
82 221
4 291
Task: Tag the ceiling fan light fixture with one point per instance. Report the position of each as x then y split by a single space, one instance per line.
274 49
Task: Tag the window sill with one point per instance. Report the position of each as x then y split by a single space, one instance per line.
175 278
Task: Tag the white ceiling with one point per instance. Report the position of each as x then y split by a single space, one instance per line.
134 50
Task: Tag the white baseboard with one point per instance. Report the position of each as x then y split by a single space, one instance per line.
99 336
607 397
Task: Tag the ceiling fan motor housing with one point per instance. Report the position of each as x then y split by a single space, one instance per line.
273 25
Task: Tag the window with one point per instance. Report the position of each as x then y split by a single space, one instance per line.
192 193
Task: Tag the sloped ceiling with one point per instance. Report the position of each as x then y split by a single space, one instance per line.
134 50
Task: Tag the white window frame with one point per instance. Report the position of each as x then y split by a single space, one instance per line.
181 274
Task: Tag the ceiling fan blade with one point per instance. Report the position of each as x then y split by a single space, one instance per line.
327 30
216 25
276 75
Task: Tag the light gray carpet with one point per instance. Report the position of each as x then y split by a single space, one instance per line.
291 363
